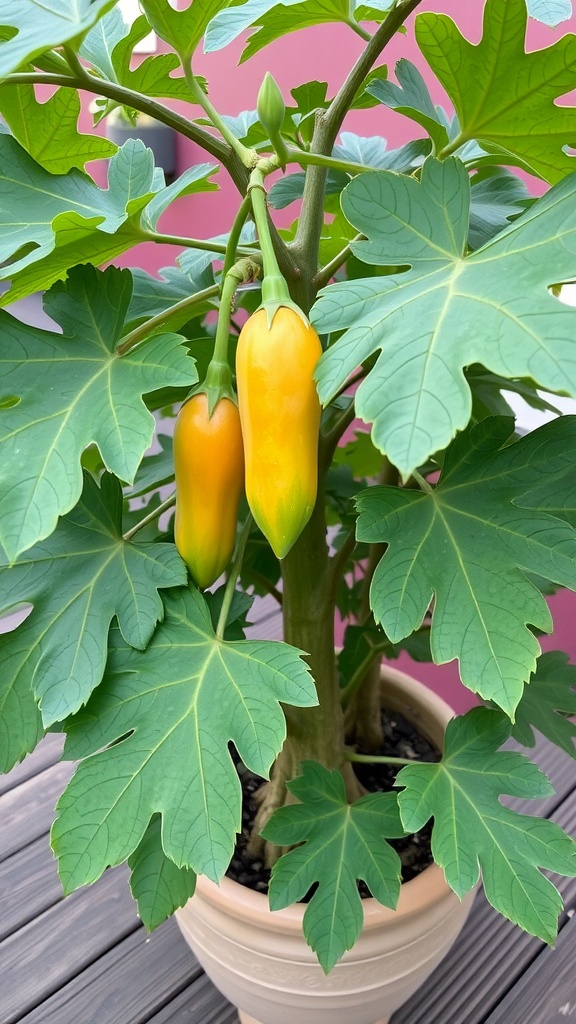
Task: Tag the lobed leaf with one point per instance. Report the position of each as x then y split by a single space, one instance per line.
470 543
448 309
337 844
88 394
155 739
473 831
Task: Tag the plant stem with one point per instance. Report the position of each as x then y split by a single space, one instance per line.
307 159
247 156
150 517
233 577
328 122
232 248
326 274
130 98
189 243
422 483
353 24
143 332
350 755
257 193
350 690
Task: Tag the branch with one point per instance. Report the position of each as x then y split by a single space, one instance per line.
339 561
328 124
324 276
128 97
154 514
144 331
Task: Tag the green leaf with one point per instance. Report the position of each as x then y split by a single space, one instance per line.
340 844
182 29
42 24
504 97
88 394
473 830
448 310
494 200
48 131
68 238
550 12
152 295
195 261
155 738
372 150
155 470
546 703
469 542
77 581
412 98
193 180
158 885
272 20
361 455
98 45
290 187
67 212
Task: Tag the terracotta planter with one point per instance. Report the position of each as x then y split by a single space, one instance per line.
260 961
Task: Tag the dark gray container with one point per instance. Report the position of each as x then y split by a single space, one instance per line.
158 137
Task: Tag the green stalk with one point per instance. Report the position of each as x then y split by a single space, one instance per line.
218 381
205 245
246 155
350 755
309 159
143 332
163 507
233 577
232 247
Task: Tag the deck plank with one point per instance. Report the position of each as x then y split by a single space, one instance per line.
41 957
127 985
199 1003
29 885
547 995
27 811
46 754
471 980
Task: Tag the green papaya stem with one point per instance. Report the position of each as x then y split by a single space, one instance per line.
422 482
350 755
308 617
325 275
233 577
257 193
232 245
327 125
144 331
306 158
154 514
248 156
218 248
353 24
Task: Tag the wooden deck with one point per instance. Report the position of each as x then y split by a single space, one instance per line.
87 960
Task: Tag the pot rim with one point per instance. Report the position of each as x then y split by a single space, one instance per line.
426 889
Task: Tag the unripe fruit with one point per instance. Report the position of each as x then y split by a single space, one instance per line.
209 471
280 415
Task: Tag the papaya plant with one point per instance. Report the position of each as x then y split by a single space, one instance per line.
416 289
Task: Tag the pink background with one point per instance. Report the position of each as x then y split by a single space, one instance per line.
325 53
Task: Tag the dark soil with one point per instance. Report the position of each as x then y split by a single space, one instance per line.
401 739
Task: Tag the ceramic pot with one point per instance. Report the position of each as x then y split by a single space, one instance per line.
260 961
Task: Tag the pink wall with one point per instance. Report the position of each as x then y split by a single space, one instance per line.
300 57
